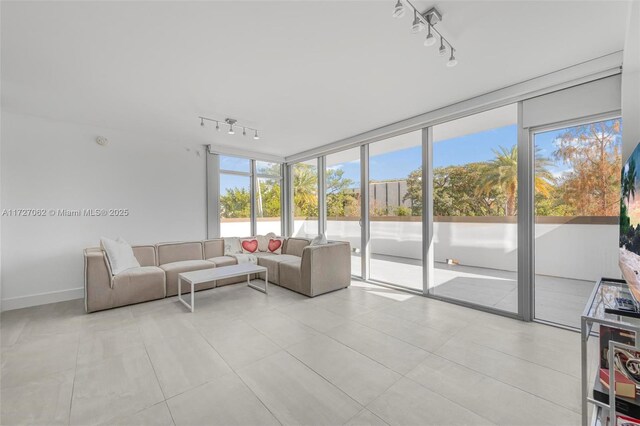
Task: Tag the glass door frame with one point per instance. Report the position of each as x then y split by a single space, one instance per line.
428 249
530 302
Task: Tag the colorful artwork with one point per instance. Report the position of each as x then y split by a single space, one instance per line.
630 223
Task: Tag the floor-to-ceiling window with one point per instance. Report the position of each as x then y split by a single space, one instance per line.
577 202
268 203
395 210
235 196
342 176
475 193
305 198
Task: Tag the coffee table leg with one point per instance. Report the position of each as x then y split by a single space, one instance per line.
255 287
184 302
192 304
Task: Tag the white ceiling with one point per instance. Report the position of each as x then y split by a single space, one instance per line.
304 73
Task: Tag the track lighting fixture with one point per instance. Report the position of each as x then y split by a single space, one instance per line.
452 62
427 20
231 122
398 11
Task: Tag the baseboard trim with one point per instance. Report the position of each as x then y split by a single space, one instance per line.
42 299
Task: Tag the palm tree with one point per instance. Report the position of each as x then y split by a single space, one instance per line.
305 189
502 172
629 181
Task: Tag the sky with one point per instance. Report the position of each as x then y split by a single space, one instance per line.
398 164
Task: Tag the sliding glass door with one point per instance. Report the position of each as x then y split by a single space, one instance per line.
305 198
268 198
342 177
395 210
235 196
475 209
577 206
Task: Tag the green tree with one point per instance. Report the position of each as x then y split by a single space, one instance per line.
305 190
342 198
268 198
414 192
235 203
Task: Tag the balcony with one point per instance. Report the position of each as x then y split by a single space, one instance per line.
571 254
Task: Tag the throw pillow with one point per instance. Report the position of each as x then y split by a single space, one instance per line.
119 254
263 242
232 246
275 245
249 245
320 240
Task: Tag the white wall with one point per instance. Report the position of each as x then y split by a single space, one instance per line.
56 165
585 252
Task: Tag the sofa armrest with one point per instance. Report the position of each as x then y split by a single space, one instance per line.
325 268
97 279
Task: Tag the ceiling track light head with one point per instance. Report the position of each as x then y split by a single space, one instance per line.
418 25
442 50
255 135
430 40
231 122
452 62
398 10
201 121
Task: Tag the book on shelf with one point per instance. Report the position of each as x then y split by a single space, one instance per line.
622 420
624 386
626 406
617 335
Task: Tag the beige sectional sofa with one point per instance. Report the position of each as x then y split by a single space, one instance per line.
306 269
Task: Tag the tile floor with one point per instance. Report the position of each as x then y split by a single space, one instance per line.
365 355
558 300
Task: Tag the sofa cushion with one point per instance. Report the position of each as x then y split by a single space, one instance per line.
261 254
174 268
146 255
213 248
138 285
294 246
290 275
223 261
177 252
272 262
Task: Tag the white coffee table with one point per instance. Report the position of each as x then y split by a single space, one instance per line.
207 275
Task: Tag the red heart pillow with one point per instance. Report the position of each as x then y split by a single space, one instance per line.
250 246
274 245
